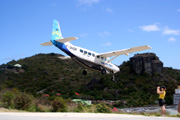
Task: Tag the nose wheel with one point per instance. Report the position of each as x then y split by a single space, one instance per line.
113 78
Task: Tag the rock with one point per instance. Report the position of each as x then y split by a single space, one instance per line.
146 63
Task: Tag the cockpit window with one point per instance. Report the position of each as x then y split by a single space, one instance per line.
98 56
102 58
93 54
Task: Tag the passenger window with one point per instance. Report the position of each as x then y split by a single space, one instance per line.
89 53
93 54
81 51
85 52
98 56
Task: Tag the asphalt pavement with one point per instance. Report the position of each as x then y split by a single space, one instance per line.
77 116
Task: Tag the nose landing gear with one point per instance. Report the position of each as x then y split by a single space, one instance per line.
113 78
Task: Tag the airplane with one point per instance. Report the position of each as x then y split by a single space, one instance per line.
89 59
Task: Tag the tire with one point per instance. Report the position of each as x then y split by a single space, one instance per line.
103 71
84 72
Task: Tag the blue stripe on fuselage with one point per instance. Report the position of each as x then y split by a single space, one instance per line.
62 47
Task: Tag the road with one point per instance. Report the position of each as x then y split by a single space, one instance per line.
77 116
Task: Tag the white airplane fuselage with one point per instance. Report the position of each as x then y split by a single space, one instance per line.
87 58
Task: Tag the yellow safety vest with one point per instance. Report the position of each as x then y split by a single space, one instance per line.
161 96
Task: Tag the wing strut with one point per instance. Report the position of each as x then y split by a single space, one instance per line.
113 58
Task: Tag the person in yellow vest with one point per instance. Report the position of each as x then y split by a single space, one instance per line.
162 93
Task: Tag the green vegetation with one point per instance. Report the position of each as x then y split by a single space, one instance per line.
102 108
47 74
13 99
59 105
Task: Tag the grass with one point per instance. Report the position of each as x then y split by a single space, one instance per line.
178 115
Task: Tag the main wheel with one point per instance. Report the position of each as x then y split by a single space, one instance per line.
103 71
84 72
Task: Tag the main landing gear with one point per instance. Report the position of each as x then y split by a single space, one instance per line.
103 71
85 72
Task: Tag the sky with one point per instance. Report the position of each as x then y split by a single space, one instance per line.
100 25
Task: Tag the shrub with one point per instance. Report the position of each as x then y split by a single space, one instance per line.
22 101
15 99
102 108
41 108
79 108
7 98
59 105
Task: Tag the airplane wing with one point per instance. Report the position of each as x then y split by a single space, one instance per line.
63 40
125 51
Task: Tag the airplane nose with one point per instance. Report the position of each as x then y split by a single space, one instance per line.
117 69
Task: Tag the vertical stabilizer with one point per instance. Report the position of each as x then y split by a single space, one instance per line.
56 32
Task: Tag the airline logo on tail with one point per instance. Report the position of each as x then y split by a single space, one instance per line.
56 32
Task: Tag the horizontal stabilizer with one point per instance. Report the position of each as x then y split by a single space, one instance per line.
47 43
63 40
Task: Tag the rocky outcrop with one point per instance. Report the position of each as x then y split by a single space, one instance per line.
146 63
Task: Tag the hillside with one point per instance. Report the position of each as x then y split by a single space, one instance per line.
46 74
